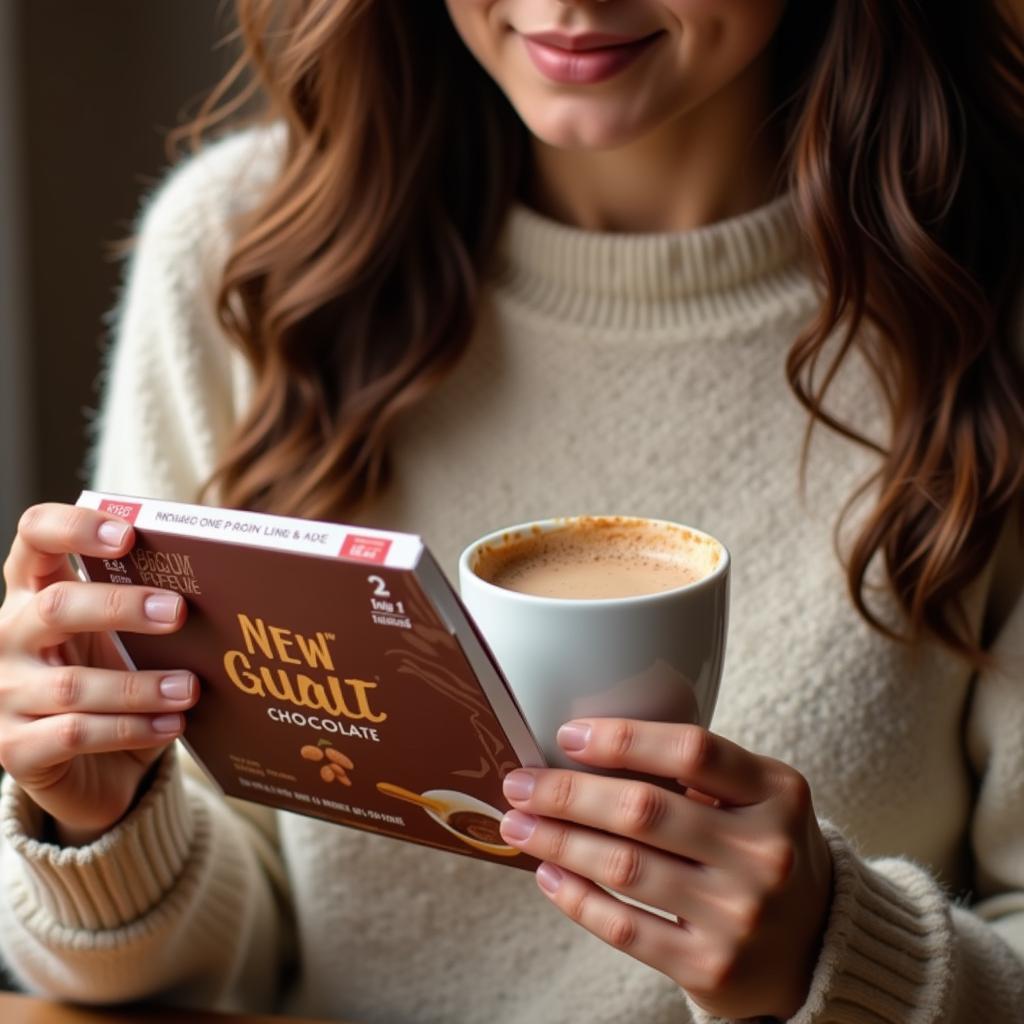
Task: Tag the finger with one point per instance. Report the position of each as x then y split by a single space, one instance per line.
693 756
67 688
638 810
673 949
632 869
48 533
54 740
69 607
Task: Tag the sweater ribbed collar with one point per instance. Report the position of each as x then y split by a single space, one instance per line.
737 269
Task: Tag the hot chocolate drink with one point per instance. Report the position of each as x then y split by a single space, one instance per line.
608 616
595 558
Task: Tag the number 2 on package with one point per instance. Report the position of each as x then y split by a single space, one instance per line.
381 588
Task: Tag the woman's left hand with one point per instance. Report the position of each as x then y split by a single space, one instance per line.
735 855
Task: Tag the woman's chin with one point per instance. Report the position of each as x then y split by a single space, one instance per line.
583 129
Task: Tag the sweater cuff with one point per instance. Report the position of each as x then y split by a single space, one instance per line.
115 880
887 953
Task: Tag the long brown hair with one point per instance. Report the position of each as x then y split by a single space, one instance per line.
352 287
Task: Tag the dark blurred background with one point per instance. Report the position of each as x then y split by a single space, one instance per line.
88 89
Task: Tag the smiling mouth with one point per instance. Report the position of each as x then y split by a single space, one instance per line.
584 59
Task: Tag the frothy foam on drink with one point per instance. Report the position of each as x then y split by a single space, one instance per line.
593 559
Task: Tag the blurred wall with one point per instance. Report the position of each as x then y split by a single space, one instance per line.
95 85
15 450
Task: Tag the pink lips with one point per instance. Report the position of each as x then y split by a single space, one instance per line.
583 59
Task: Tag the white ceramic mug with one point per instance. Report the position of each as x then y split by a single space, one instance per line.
656 657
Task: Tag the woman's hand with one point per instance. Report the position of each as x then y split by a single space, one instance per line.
735 855
77 731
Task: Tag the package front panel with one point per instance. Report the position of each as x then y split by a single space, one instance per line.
329 687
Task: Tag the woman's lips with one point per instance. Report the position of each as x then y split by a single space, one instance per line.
585 59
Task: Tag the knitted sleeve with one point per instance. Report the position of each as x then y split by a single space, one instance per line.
185 899
897 950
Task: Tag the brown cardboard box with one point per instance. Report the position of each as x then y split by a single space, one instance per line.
341 677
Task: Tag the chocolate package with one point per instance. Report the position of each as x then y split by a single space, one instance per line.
340 675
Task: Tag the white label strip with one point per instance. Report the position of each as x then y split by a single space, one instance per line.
257 529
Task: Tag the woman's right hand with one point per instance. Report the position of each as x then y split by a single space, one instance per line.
78 731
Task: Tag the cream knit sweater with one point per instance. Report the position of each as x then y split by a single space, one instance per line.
610 373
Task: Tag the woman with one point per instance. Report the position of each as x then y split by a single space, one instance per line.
524 257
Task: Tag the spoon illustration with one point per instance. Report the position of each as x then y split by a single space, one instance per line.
470 820
439 808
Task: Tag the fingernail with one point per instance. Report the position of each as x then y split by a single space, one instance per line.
166 723
162 607
549 878
112 533
518 785
177 687
517 827
574 736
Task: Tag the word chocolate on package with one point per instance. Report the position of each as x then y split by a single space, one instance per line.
340 675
